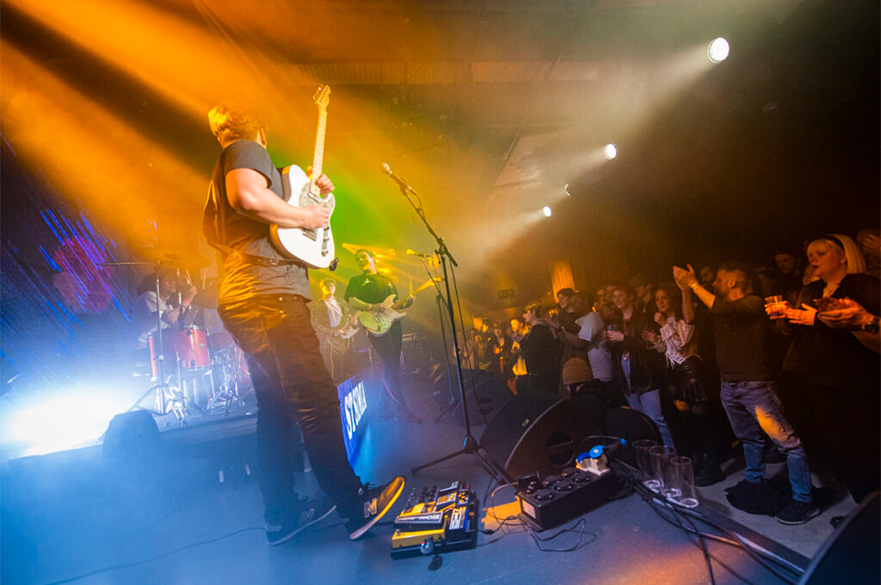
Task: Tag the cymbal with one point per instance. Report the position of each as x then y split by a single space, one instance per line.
173 258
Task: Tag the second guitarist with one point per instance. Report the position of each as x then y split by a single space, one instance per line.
367 292
334 327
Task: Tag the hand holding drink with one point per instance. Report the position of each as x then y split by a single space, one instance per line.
775 306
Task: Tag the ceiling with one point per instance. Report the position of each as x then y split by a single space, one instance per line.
487 108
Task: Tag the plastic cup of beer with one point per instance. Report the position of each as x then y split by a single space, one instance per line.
776 306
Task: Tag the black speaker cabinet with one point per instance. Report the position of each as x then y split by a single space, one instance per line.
130 435
536 432
850 555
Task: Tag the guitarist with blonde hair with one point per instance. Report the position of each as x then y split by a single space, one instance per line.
376 294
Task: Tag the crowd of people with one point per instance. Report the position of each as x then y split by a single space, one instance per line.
788 353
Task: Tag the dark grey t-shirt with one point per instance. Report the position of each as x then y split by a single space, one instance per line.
740 329
242 279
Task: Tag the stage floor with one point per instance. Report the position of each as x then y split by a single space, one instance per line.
194 515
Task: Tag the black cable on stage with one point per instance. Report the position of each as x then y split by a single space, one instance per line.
713 557
760 557
578 526
156 558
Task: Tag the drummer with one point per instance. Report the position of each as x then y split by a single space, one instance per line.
173 306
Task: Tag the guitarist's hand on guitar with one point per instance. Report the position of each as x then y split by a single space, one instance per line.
314 216
322 182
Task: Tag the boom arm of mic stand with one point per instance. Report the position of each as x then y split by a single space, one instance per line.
407 191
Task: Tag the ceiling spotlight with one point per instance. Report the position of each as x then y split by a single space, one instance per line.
546 211
566 190
718 50
610 151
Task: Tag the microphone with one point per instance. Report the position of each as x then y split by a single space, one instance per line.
401 182
410 252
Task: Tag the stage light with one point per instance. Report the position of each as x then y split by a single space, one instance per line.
547 211
718 50
66 419
610 151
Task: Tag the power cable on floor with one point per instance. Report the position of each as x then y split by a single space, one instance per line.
156 558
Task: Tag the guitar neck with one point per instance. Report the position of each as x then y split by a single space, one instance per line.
318 157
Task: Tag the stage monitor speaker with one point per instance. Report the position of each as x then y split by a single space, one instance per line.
131 437
536 432
631 424
850 554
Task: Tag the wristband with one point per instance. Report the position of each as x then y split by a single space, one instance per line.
693 285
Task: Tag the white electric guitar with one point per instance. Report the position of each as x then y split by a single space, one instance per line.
314 247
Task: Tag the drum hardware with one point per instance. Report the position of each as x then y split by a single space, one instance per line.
229 361
168 398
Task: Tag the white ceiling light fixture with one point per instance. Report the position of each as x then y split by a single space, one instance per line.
718 50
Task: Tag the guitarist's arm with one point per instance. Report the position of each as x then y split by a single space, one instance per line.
248 194
358 304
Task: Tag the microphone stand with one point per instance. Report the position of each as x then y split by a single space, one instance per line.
441 304
470 445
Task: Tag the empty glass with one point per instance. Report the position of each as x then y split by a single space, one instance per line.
660 462
643 460
683 482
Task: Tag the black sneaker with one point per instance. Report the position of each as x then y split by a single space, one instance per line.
797 512
709 475
374 503
310 513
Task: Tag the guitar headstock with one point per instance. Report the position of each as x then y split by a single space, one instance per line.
322 97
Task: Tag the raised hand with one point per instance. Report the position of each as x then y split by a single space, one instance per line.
684 278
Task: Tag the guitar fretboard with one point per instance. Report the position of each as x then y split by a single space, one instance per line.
318 158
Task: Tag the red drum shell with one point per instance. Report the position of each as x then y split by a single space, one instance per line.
192 348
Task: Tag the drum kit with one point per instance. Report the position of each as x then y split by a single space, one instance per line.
195 368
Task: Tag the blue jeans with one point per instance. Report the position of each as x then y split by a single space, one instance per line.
648 403
291 382
753 407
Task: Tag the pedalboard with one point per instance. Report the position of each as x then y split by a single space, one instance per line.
437 520
559 498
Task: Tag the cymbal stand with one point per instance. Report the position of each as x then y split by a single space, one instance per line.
471 446
228 391
168 397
